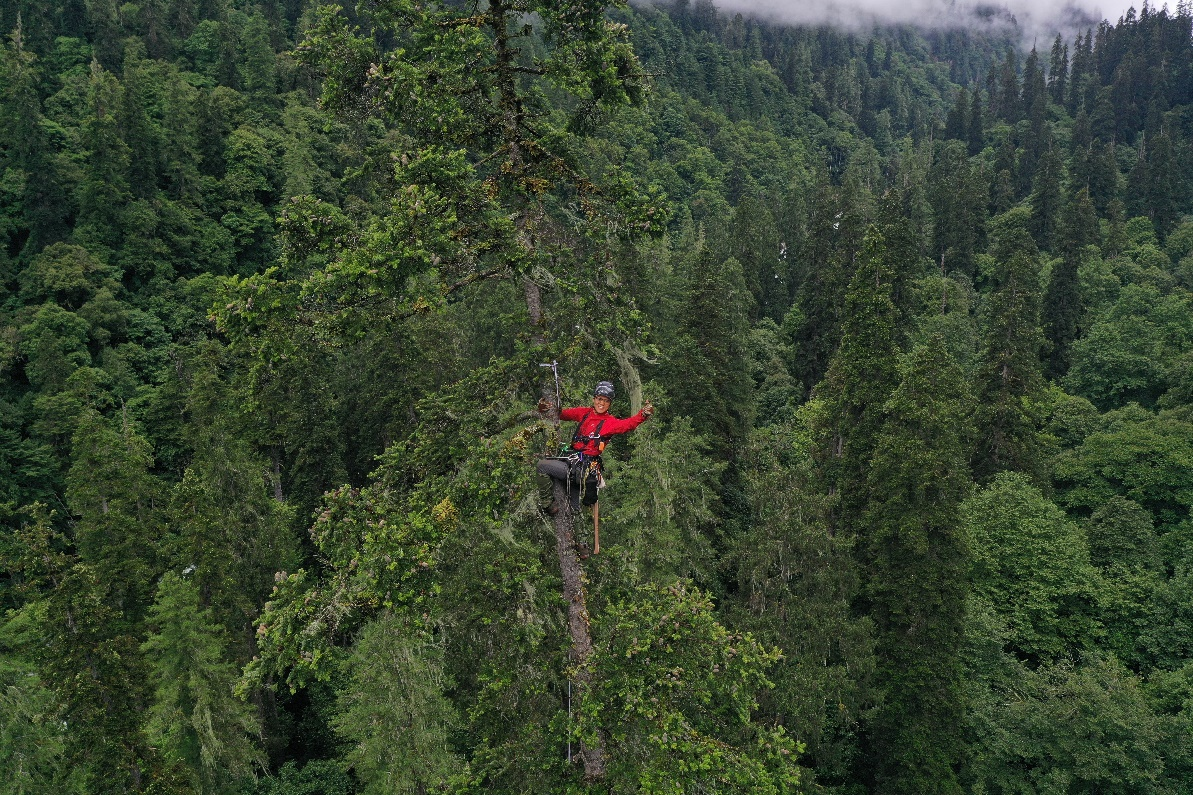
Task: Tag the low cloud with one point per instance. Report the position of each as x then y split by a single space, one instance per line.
1034 18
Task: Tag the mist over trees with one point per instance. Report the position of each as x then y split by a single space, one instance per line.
915 309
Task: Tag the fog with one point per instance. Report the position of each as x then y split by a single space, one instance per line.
1035 18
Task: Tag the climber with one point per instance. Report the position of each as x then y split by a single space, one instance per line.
580 469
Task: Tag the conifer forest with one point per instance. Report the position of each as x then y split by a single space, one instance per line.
281 287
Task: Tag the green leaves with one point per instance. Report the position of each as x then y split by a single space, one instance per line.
55 343
195 720
393 710
66 275
375 558
1074 728
1129 350
674 691
1031 564
916 553
32 752
1146 458
380 546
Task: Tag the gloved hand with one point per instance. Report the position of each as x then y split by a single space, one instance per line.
544 406
647 408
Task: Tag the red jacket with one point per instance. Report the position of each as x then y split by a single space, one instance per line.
589 420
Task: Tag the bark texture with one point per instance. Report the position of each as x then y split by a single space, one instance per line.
578 625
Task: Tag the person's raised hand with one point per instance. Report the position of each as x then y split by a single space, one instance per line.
647 409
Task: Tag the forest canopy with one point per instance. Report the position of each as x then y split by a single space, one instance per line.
278 282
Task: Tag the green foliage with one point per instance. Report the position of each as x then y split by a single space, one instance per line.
1137 455
54 342
777 393
1031 567
65 275
1129 350
916 586
118 504
318 777
836 223
1047 200
291 346
661 513
1010 380
230 532
304 614
708 357
796 582
1073 728
103 189
1062 312
1124 545
88 650
393 710
675 692
32 760
860 378
957 193
1164 637
1121 535
195 720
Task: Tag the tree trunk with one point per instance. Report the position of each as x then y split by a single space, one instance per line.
277 475
573 593
534 308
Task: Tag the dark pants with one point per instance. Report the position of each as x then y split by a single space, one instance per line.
571 477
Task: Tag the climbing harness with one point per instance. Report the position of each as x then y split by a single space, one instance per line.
586 473
584 469
587 469
578 439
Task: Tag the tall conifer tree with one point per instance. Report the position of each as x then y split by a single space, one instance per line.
1058 71
1010 378
958 118
196 720
708 365
25 150
863 370
916 585
976 137
1046 199
830 251
104 188
958 200
1010 108
1062 302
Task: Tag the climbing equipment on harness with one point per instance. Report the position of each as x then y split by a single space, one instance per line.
585 470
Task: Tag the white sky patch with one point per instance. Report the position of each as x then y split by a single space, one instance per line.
1036 18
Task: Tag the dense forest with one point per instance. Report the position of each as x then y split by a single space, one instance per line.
915 309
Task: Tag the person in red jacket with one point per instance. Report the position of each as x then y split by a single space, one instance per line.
581 468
